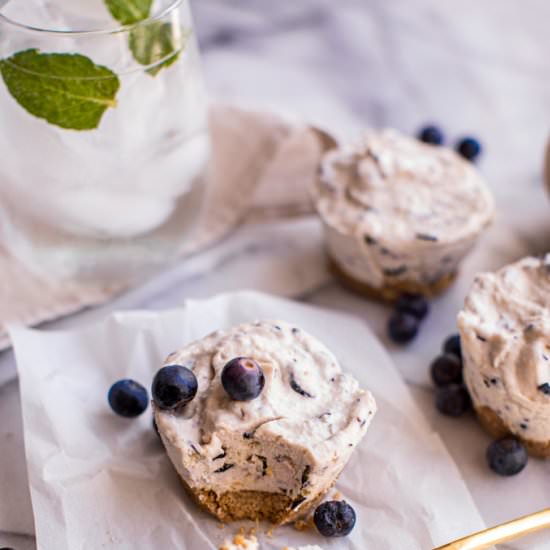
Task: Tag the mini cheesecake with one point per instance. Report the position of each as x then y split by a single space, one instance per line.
505 334
399 215
273 457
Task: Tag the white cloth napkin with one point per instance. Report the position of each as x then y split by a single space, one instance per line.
262 166
99 481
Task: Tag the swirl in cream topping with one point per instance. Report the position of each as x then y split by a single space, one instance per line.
394 207
505 332
294 439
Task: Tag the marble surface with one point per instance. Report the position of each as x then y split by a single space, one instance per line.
472 67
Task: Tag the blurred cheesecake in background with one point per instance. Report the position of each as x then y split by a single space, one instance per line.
399 214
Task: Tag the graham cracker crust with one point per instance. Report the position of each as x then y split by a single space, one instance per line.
253 505
391 292
493 424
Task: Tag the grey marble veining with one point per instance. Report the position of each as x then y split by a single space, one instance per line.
473 67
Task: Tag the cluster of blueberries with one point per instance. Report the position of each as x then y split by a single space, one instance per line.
452 397
404 322
506 456
468 147
243 380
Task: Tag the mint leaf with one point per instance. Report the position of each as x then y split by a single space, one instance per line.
156 45
67 90
128 12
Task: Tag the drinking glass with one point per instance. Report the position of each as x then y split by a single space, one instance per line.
104 135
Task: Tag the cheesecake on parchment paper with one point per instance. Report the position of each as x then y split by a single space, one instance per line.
273 457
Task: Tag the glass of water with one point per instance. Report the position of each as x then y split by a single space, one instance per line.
103 132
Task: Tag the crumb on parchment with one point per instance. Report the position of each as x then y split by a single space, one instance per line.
248 541
241 542
304 524
300 525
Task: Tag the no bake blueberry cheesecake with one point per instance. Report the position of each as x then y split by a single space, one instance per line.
399 215
505 335
269 424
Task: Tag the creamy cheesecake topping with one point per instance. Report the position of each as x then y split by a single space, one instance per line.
293 439
407 206
505 332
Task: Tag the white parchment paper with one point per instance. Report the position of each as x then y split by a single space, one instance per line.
99 481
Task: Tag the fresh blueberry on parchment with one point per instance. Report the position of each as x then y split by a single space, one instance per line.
128 398
335 518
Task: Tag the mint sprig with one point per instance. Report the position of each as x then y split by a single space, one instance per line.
128 12
153 43
68 90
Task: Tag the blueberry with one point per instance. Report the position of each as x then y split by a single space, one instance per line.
452 345
432 135
446 369
128 398
469 148
507 456
173 386
335 518
402 327
452 400
243 379
415 304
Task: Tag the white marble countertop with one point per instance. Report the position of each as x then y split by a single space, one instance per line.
472 67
